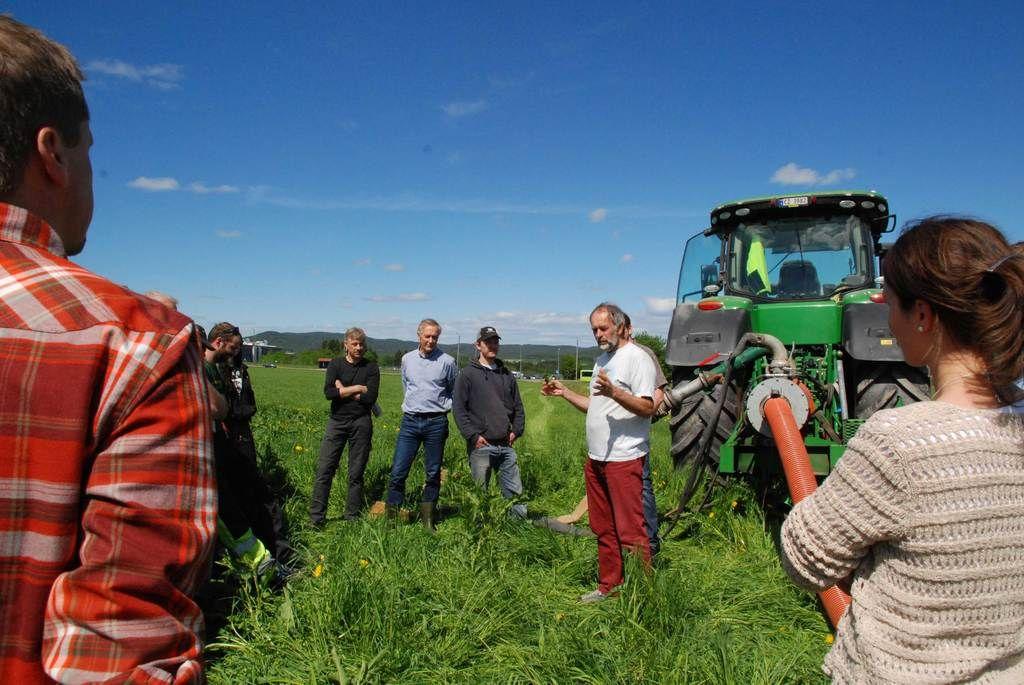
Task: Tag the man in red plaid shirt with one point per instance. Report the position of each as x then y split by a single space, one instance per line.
107 499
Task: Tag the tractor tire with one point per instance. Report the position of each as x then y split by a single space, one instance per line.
688 422
885 385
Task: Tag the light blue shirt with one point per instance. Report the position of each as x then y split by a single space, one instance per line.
428 381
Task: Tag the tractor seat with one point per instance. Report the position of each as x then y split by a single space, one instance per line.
799 277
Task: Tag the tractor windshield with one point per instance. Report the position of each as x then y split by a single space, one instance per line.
800 258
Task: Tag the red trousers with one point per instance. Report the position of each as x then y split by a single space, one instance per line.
616 512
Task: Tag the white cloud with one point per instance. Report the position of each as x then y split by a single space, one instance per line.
837 176
166 183
414 202
627 258
160 184
598 215
229 234
464 109
660 305
400 297
791 174
203 189
394 267
162 76
365 261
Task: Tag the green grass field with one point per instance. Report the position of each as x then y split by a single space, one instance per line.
490 599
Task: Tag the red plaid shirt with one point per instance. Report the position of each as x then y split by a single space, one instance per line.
107 495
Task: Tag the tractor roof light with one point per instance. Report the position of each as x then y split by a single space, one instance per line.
877 298
709 305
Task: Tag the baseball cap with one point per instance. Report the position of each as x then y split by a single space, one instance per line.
487 332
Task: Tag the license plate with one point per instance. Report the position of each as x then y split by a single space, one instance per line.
792 201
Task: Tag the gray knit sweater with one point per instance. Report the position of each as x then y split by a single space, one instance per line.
926 509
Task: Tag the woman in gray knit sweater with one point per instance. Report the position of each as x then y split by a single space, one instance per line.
924 514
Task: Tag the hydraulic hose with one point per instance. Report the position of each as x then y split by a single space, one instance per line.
708 378
800 479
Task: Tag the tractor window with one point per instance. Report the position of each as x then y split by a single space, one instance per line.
700 267
800 258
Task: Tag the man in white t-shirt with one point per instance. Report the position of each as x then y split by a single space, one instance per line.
619 411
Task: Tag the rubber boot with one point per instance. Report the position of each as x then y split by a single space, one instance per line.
427 510
251 551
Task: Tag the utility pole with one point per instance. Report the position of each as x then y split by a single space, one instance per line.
577 357
458 350
520 359
558 361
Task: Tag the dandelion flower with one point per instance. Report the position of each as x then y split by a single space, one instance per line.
318 571
364 562
733 505
298 448
829 639
711 514
559 616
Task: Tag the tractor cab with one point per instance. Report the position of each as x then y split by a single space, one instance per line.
786 248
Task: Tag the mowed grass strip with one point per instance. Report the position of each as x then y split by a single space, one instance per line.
494 600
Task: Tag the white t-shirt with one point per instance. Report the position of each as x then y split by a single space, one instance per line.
613 432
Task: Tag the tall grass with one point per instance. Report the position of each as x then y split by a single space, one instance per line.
493 599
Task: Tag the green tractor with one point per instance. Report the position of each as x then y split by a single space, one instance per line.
780 298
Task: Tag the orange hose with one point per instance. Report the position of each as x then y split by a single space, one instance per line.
800 479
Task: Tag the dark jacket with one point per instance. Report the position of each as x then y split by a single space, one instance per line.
364 373
487 403
241 409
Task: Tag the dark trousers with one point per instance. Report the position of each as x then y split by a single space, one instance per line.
256 498
616 512
357 432
229 471
650 508
431 431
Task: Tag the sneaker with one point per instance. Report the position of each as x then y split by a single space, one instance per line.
593 597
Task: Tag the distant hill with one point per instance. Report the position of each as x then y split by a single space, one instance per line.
300 342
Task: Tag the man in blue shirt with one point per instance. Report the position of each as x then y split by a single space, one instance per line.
428 378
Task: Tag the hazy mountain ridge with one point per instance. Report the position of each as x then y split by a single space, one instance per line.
299 342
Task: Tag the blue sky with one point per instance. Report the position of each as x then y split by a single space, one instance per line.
322 165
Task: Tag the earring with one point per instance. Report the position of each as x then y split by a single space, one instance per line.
920 329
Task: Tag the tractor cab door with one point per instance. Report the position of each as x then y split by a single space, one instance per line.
701 267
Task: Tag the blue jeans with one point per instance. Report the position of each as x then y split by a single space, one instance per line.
415 429
650 508
484 460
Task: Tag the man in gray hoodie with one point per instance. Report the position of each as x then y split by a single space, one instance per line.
489 413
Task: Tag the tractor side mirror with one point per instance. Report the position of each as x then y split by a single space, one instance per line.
708 276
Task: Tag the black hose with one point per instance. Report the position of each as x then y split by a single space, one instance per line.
704 447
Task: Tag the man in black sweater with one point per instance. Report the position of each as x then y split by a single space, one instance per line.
351 384
489 414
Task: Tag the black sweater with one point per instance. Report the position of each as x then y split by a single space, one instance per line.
364 373
487 403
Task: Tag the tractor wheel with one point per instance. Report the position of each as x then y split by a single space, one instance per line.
688 422
886 385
